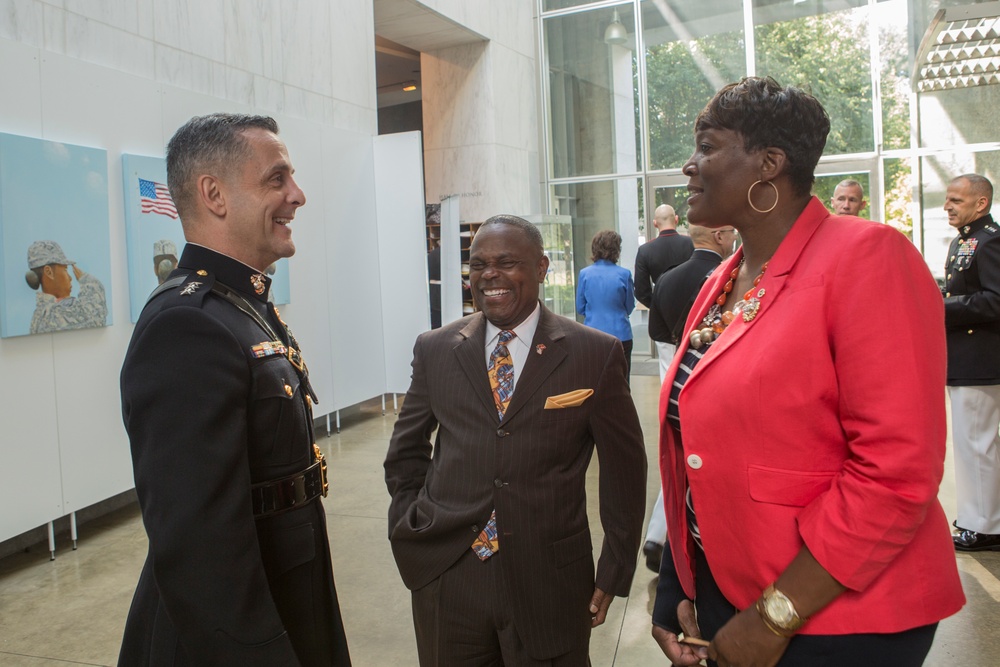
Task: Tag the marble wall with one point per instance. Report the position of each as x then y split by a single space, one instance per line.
481 132
123 75
316 62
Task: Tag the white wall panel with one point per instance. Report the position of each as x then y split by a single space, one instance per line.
21 100
30 486
402 247
95 106
353 267
30 480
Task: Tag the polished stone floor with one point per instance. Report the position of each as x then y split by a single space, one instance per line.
71 611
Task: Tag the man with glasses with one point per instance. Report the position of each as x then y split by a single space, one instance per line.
673 296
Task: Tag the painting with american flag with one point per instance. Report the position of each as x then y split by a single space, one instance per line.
155 198
154 236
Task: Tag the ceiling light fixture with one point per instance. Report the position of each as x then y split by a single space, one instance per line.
615 33
408 86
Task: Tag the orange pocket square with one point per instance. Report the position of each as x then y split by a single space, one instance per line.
568 400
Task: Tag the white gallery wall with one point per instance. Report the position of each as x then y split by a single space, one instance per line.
122 75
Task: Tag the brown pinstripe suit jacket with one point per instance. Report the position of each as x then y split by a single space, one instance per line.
532 469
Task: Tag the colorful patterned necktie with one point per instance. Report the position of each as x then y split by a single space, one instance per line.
501 372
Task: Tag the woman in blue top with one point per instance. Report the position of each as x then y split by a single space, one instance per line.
605 294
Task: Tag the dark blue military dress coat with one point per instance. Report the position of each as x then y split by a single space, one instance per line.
972 305
212 406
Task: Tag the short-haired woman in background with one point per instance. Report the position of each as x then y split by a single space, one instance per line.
605 295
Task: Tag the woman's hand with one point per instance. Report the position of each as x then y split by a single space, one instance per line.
677 653
746 642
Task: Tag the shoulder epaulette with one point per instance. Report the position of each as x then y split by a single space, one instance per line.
193 285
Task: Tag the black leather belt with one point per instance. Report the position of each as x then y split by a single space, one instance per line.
280 495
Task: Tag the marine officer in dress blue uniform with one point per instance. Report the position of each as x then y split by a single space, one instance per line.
217 404
972 321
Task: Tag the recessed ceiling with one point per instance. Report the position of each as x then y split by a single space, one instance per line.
403 30
396 67
418 27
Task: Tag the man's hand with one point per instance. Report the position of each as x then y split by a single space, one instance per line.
747 642
599 604
677 653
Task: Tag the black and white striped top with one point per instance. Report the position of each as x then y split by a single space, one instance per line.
688 362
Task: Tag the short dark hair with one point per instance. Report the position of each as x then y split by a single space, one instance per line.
212 142
529 229
980 186
606 244
767 114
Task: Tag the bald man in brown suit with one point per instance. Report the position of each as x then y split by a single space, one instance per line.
507 472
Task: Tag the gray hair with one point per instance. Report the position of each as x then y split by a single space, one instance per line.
212 143
851 183
980 186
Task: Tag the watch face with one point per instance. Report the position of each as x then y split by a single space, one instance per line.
779 608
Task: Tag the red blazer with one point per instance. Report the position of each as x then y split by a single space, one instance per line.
821 421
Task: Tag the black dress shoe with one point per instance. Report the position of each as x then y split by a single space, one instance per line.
970 540
654 554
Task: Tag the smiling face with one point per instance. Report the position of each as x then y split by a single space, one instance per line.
847 200
262 201
720 173
962 203
505 270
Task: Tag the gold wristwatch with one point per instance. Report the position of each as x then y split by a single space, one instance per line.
778 612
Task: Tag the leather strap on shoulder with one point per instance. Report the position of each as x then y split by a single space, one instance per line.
168 285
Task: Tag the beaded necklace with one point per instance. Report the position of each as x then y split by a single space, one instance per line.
716 320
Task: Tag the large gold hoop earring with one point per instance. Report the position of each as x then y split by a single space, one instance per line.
750 201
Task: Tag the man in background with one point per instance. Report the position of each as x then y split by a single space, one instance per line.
673 296
848 198
656 257
434 283
972 326
661 254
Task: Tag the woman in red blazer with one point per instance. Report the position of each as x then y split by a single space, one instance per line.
802 421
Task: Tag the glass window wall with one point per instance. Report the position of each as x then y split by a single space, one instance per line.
593 109
692 49
894 75
591 207
822 47
623 112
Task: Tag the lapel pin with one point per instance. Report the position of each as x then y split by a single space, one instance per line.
539 348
